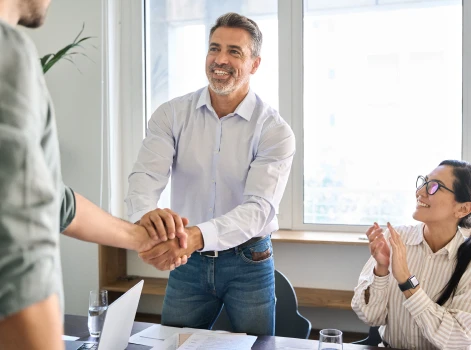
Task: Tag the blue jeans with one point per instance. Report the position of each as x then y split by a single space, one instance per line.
197 291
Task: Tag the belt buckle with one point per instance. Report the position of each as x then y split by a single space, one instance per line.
214 254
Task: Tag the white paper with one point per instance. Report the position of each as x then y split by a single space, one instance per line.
283 343
156 334
69 337
171 343
217 341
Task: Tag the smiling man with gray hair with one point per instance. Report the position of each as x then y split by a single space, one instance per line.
229 155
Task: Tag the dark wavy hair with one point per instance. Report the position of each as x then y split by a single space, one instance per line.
234 20
462 189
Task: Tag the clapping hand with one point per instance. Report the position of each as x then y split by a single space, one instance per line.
379 249
400 269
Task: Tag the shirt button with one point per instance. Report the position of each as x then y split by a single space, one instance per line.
214 181
210 209
429 257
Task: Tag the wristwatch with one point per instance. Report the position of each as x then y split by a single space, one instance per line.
411 283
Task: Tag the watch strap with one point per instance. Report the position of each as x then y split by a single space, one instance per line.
411 283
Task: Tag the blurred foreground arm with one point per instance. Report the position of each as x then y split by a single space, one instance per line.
36 327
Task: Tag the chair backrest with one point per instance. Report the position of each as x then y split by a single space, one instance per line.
288 323
372 339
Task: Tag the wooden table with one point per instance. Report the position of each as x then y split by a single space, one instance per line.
77 326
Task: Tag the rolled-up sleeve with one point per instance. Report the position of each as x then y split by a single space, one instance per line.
67 213
264 188
28 206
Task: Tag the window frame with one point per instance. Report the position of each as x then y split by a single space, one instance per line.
127 124
125 106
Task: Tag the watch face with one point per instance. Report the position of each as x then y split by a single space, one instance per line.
414 281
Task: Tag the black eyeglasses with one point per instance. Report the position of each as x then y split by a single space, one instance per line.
432 186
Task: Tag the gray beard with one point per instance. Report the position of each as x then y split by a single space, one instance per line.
223 91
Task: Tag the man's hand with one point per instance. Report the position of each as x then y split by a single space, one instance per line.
145 243
165 224
167 255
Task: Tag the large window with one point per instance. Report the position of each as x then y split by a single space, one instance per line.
382 104
373 90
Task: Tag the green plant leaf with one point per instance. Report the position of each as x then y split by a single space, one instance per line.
45 58
80 33
47 61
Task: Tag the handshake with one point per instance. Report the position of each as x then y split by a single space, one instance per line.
164 240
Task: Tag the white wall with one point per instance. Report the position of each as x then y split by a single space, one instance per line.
77 101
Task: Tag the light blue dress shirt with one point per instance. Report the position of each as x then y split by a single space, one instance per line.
228 174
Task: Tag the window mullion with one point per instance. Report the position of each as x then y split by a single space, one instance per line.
466 142
285 49
297 111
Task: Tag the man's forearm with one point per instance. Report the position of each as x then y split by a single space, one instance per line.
92 224
37 327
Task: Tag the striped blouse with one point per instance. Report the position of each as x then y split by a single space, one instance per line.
418 322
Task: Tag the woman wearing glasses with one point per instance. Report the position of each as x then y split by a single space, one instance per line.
417 283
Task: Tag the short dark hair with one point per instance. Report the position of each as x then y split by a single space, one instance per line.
234 20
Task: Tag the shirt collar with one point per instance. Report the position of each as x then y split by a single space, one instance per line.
451 248
454 244
244 109
414 239
204 99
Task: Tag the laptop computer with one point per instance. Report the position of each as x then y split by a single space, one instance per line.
118 323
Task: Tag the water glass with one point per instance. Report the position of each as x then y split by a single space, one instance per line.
97 306
330 339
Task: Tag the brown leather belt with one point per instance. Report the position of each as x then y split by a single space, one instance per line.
215 254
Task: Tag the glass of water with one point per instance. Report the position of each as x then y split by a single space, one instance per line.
330 339
97 306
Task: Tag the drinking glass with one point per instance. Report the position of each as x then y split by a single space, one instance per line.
97 306
330 339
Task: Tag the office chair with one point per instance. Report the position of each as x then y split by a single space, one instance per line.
289 322
372 339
